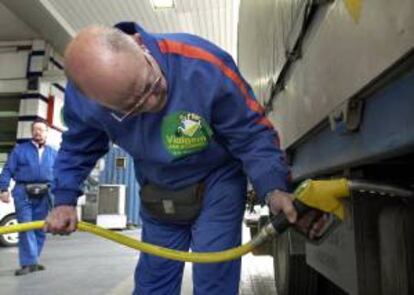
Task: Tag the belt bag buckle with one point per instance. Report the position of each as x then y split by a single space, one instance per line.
182 205
37 190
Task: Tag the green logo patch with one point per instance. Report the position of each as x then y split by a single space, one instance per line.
185 133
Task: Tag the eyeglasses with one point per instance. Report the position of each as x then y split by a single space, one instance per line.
141 99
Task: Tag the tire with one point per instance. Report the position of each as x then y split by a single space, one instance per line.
293 276
9 240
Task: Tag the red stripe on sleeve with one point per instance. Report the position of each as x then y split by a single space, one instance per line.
168 46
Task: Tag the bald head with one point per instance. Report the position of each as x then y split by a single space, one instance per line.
104 62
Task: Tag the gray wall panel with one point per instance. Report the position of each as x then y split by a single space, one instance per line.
340 56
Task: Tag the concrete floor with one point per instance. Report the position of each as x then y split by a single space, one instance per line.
84 264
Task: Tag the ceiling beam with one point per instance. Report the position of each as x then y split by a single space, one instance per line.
44 19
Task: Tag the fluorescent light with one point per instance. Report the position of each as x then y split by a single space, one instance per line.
160 4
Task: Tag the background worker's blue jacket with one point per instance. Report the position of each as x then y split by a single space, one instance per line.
211 120
23 165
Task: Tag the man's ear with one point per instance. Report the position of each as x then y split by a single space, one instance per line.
137 38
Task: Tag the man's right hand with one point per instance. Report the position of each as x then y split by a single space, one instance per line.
282 201
62 220
5 197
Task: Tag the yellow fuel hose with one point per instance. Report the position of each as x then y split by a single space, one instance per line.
142 246
323 195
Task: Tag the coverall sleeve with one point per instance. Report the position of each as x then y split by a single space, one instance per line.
82 145
239 122
9 170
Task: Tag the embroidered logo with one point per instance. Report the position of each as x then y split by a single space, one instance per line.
185 133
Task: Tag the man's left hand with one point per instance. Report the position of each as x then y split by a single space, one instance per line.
312 224
282 201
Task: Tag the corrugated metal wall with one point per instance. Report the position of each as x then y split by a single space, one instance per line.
215 20
114 175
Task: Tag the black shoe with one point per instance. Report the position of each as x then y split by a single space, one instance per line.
26 269
39 267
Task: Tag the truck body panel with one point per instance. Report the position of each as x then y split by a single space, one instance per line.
337 80
340 55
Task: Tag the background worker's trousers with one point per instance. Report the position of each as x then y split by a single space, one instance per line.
27 210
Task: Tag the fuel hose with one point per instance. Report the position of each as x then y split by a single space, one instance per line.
322 195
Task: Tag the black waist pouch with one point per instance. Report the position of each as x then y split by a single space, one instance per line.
37 190
177 206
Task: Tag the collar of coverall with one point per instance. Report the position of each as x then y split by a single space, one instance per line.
38 145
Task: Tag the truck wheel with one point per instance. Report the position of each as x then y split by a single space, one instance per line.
9 240
292 274
396 227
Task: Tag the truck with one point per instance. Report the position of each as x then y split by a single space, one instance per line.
336 78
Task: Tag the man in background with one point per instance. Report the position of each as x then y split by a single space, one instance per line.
30 164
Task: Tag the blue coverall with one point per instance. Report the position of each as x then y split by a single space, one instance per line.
24 166
211 130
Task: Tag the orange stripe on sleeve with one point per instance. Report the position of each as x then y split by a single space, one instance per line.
265 121
168 46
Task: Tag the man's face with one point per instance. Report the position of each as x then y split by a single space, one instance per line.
148 90
134 84
39 132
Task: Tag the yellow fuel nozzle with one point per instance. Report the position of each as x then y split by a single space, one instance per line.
324 195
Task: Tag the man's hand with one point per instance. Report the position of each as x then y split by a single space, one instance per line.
312 224
5 197
281 201
62 220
